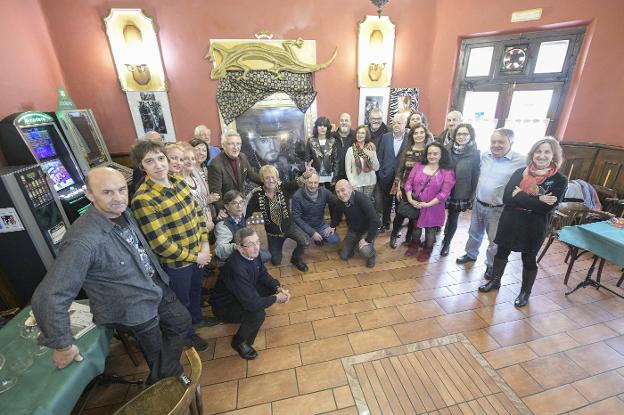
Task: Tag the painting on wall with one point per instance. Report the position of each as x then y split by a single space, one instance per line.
150 112
372 98
403 101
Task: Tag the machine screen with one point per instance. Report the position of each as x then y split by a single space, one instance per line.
89 140
40 142
58 173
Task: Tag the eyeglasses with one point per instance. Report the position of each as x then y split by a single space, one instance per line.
237 203
463 134
251 244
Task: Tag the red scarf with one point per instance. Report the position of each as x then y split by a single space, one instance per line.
358 154
532 177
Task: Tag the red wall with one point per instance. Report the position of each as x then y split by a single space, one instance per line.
428 34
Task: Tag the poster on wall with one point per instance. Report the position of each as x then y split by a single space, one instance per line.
403 101
372 98
150 112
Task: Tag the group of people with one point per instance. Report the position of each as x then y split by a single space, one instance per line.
142 263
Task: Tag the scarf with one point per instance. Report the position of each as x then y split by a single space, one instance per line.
358 156
532 178
461 149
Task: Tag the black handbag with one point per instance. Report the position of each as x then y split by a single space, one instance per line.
404 208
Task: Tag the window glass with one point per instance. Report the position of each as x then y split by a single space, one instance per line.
480 61
551 56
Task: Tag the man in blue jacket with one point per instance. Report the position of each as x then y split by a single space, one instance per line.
243 290
308 209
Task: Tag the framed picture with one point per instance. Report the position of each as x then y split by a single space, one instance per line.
274 131
372 98
150 112
403 100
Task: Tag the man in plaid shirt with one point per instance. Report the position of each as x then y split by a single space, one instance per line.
175 228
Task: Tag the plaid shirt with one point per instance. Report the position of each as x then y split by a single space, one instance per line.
172 222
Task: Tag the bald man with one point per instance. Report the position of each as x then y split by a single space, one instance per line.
105 253
344 135
203 133
362 221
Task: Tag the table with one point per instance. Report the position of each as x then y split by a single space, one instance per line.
45 390
604 241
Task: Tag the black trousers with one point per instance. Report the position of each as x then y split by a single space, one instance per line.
250 321
276 243
529 261
383 192
451 224
162 338
430 234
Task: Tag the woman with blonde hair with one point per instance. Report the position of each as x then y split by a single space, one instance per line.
198 186
530 197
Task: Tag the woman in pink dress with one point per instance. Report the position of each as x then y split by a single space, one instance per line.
427 187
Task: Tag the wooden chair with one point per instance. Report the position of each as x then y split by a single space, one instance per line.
169 396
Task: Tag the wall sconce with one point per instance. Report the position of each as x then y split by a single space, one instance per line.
134 45
376 36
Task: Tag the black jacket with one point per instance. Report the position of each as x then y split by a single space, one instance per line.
361 216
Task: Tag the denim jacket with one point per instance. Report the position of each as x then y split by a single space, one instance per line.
95 257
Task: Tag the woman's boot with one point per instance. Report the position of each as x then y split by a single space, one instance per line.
424 254
498 269
412 248
446 245
528 279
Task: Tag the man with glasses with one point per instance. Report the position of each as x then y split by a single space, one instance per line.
230 169
244 290
376 125
227 228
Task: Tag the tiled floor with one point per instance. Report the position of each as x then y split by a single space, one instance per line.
559 354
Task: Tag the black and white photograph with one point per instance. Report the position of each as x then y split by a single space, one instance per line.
150 112
371 98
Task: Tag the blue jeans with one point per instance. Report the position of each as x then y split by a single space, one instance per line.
187 284
484 219
332 239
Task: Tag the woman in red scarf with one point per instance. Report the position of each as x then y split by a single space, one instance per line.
361 162
530 197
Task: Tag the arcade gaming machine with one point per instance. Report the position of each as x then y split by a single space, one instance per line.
33 138
86 141
32 224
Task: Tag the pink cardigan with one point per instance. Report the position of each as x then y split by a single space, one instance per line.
439 187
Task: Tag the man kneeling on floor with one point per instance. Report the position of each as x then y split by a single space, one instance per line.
243 290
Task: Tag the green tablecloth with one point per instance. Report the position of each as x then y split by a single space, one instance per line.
45 390
599 238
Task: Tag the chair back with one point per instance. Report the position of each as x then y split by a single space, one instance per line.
192 397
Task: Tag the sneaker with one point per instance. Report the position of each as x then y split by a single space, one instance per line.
464 259
185 380
197 342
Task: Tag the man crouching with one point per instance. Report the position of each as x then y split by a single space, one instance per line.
243 290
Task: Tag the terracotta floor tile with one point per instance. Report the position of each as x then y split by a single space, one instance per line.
352 308
520 381
369 340
465 287
331 265
431 294
460 302
551 323
482 340
321 275
295 333
552 344
398 299
335 326
367 292
421 310
555 370
500 313
219 330
274 359
264 409
351 410
343 397
464 321
596 358
513 332
375 277
379 318
319 376
311 315
611 406
227 397
295 304
221 370
267 388
508 356
555 401
325 349
301 289
339 283
413 271
600 386
505 294
592 334
326 299
276 321
617 325
416 331
314 403
587 314
401 286
541 304
617 344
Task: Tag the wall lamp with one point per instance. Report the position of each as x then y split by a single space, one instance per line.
136 53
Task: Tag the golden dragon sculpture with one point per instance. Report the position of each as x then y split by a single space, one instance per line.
281 58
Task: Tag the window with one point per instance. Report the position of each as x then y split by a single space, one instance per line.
517 82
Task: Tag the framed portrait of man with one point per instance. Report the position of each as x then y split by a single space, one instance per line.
373 98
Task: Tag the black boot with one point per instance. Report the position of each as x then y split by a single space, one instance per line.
446 245
528 279
498 269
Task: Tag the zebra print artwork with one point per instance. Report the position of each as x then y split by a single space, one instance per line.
403 100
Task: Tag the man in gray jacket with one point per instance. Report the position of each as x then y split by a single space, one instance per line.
105 253
308 209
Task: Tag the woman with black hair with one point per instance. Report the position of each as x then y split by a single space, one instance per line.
415 118
321 148
428 186
466 159
202 157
